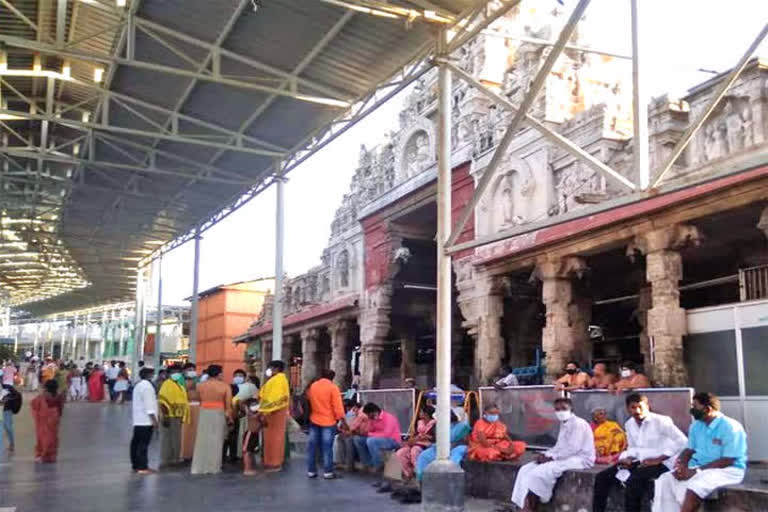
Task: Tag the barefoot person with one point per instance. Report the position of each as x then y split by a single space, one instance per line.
144 421
250 408
274 401
46 411
215 416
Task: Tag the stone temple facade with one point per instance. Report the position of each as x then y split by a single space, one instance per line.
601 275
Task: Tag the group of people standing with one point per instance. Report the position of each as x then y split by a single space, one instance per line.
229 416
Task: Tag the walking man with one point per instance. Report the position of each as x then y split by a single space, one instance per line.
327 409
144 421
111 375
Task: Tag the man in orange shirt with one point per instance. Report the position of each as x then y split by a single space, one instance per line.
326 411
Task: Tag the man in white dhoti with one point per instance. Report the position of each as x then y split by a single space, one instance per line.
653 445
575 449
716 456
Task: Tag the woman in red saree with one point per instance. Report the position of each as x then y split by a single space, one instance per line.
489 440
46 411
96 385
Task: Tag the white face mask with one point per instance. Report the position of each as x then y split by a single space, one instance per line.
268 373
563 415
254 408
238 380
625 373
191 374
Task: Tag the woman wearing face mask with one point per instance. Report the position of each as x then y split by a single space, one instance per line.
630 378
274 401
174 411
490 441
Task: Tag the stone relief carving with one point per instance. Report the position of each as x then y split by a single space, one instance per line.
729 129
416 149
573 184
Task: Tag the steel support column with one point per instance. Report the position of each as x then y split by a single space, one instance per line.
443 259
195 310
443 484
277 311
159 320
640 150
138 332
74 340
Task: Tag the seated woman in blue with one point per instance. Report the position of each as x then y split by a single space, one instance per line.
716 456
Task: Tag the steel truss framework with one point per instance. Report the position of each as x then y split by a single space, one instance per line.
74 133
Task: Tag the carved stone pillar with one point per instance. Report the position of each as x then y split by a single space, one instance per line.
644 303
309 347
374 330
566 333
408 359
667 322
482 305
341 352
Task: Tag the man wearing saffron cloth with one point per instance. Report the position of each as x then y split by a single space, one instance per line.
274 401
716 456
490 441
574 449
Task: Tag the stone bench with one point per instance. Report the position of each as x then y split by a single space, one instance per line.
574 490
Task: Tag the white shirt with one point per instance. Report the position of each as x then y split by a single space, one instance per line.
112 372
509 380
656 436
144 403
575 439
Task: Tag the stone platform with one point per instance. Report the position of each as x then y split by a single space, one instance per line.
574 491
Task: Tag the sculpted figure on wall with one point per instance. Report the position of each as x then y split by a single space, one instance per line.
729 131
342 268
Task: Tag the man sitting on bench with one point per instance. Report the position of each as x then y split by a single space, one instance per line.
575 449
716 456
653 442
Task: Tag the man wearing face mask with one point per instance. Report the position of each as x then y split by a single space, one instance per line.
573 379
716 456
653 443
174 411
574 449
630 378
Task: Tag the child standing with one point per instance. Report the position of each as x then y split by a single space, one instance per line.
251 438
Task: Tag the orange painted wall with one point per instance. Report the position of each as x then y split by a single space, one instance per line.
223 315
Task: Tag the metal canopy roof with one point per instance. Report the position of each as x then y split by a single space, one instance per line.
125 129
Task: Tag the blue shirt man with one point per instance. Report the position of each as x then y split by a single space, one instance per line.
716 456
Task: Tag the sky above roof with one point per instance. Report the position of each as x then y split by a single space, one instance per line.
681 37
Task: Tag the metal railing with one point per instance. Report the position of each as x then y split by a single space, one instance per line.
753 283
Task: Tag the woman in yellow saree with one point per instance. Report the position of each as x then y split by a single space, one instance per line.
490 441
274 401
610 439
